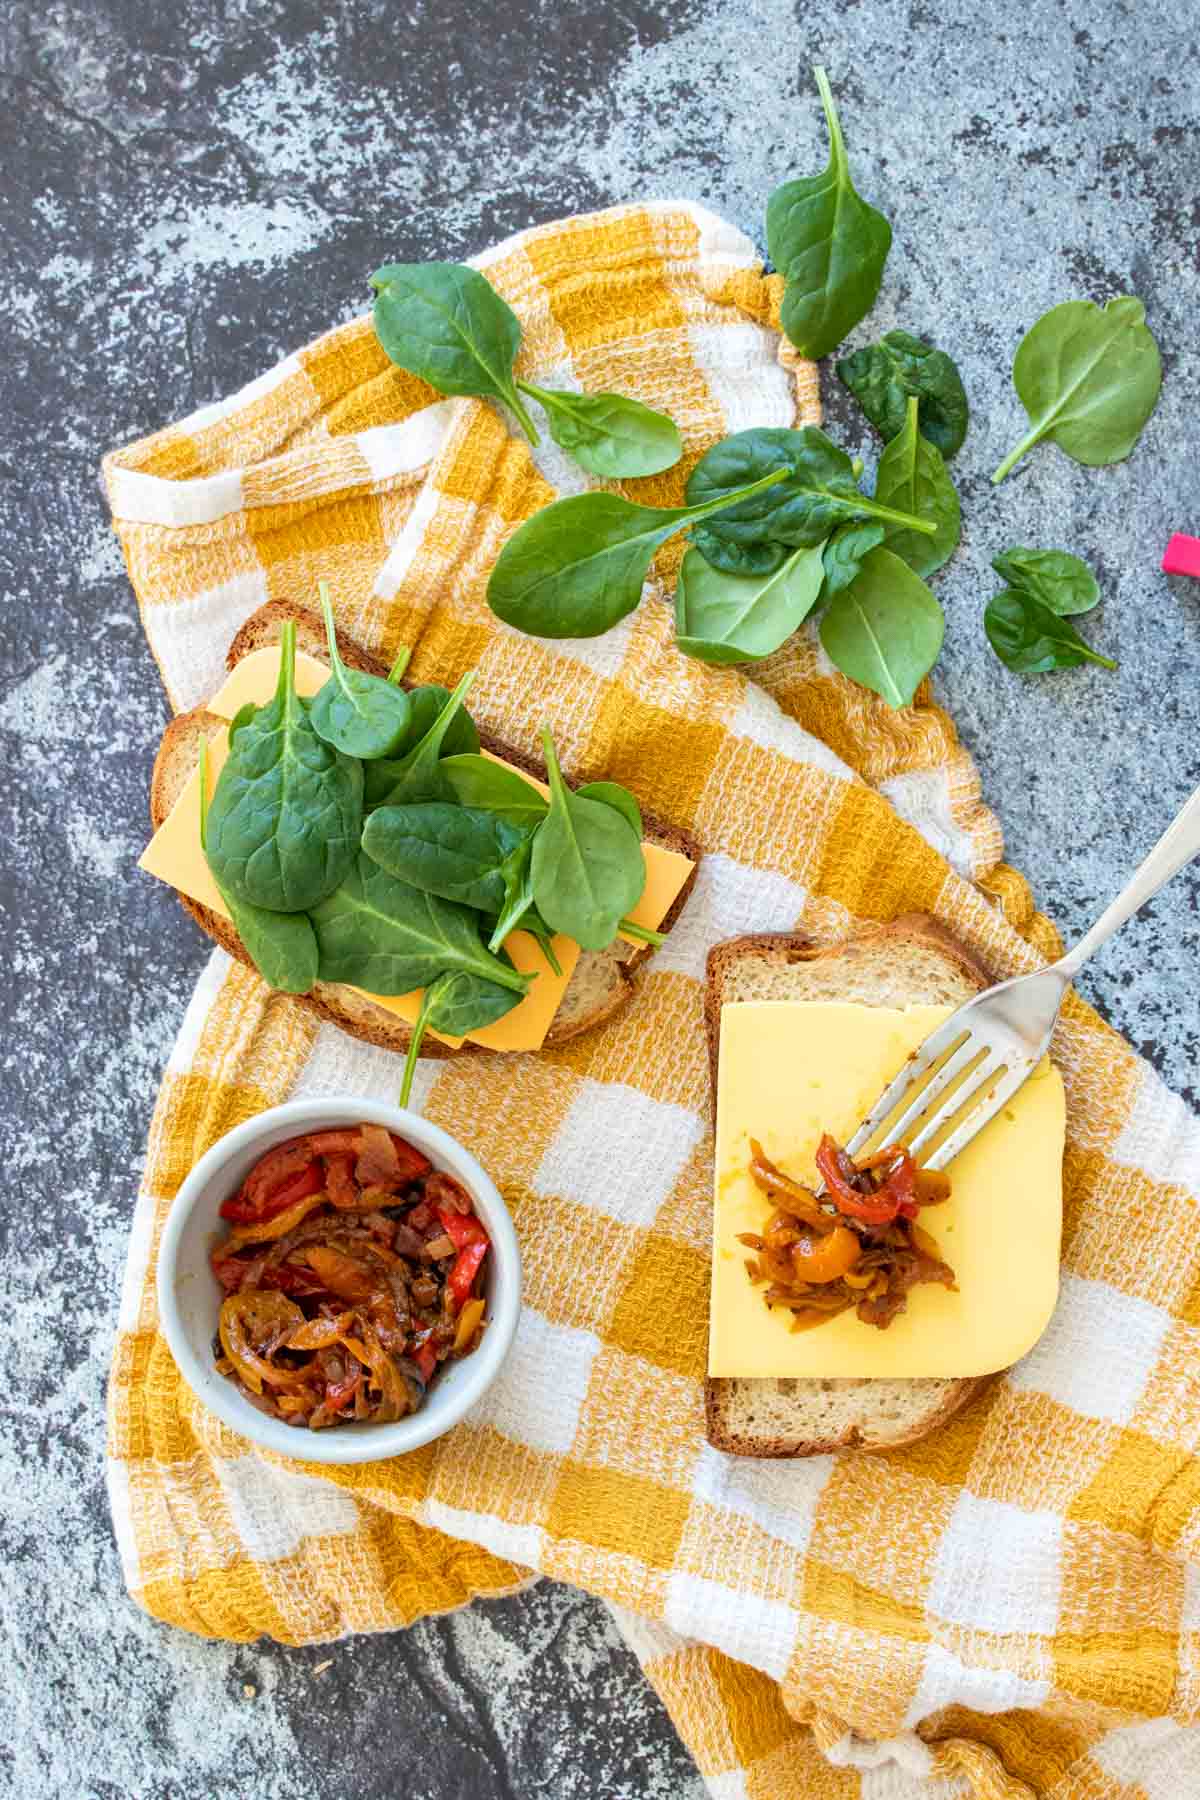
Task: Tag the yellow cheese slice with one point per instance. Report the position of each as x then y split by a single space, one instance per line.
174 856
790 1070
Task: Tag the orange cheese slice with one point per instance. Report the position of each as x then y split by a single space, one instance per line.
174 856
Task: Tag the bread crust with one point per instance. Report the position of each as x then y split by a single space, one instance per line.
611 971
792 947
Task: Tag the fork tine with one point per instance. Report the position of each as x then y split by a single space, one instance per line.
978 1117
966 1096
957 1065
935 1046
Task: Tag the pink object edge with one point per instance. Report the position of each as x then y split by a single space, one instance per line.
1182 555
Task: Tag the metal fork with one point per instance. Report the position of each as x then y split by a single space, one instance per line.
971 1066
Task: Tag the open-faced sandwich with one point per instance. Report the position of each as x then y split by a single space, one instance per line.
862 1302
360 842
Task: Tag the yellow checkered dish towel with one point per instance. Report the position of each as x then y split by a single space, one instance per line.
1010 1608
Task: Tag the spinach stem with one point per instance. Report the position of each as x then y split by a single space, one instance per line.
1014 456
909 521
401 663
642 933
428 1001
526 423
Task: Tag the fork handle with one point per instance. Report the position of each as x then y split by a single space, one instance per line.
1177 846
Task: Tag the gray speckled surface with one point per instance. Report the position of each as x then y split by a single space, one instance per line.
190 193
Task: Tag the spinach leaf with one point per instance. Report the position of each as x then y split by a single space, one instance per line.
456 852
885 629
577 567
1059 580
1031 639
844 552
360 715
416 775
447 324
1089 379
722 618
611 793
455 1003
282 946
608 434
284 823
516 909
912 476
588 866
519 912
477 781
426 703
533 922
388 937
882 376
829 245
819 492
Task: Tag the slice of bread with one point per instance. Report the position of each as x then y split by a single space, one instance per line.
602 981
912 961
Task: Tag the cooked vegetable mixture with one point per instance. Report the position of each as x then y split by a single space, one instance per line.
856 1245
352 1270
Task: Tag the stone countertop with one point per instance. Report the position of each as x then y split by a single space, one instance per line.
193 191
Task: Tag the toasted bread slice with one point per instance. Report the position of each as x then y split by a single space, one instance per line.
912 961
602 982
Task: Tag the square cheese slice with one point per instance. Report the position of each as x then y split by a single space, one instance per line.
174 855
790 1070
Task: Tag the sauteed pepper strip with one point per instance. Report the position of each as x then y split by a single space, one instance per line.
891 1199
472 1243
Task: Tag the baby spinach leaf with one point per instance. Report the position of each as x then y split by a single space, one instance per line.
1031 639
454 1004
611 793
818 493
1059 580
241 717
284 823
588 866
882 376
578 566
723 618
360 715
457 852
282 946
477 781
829 245
388 937
844 552
416 775
608 434
912 477
516 908
447 324
885 629
1089 379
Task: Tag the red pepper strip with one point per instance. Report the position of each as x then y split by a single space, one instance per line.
339 1394
412 1163
463 1229
461 1278
297 1187
426 1360
285 1278
901 1183
872 1209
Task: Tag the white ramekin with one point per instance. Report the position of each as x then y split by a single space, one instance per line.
189 1296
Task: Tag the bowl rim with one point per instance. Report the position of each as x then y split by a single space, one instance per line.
366 1442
